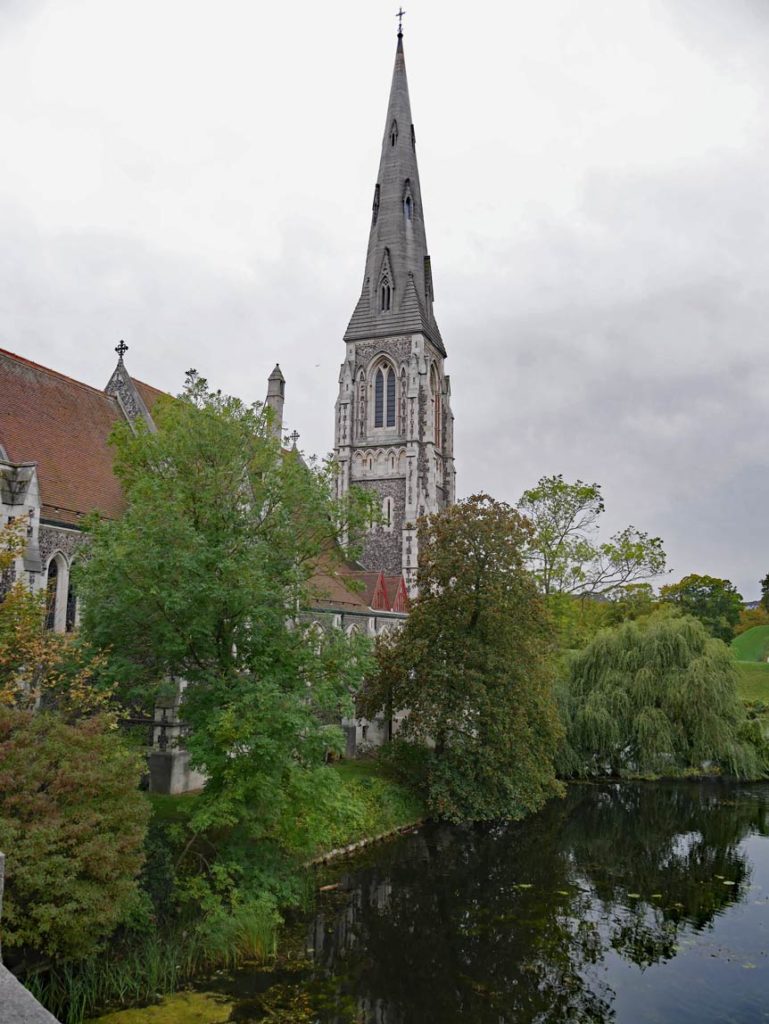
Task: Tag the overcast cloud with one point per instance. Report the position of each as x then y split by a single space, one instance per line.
197 177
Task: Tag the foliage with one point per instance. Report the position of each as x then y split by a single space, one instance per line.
203 579
37 664
715 602
752 645
659 697
72 823
470 667
765 592
564 551
751 617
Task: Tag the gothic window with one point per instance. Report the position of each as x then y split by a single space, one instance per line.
436 389
361 405
379 399
403 402
70 616
60 601
387 513
391 398
385 295
393 133
408 202
50 599
375 211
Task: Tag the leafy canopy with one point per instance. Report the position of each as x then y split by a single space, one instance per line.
72 825
565 553
36 664
659 697
715 602
470 668
204 578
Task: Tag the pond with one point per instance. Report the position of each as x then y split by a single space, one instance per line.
634 903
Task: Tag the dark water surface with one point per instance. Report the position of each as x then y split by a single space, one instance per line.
634 903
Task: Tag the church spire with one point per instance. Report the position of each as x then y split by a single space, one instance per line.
397 295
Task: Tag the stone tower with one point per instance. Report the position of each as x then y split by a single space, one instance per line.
394 427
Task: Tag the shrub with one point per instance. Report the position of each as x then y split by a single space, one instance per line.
72 824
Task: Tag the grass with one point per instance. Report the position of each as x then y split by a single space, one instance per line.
753 683
752 645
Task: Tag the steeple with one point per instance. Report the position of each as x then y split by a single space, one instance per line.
397 294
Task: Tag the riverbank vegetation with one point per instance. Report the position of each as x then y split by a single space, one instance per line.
502 674
470 672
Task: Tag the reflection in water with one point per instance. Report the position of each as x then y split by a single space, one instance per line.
539 920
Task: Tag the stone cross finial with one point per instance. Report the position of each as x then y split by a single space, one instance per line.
121 349
399 16
294 437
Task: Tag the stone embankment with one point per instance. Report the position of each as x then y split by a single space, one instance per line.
346 851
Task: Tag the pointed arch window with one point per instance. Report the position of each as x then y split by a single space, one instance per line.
52 587
393 133
385 295
379 383
390 397
436 389
407 208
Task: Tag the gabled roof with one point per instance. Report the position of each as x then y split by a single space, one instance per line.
62 425
397 594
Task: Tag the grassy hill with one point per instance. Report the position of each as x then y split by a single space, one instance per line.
754 680
752 645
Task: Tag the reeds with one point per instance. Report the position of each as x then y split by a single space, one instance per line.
140 972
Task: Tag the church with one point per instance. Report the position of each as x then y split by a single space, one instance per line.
393 431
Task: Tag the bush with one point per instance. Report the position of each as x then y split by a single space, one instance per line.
72 825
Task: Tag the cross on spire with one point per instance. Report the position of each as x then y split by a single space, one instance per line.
121 349
399 16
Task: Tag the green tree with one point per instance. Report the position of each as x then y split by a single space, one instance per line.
715 602
203 579
470 668
765 592
657 697
72 825
565 553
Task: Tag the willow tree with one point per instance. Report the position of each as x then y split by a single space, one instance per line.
470 669
661 698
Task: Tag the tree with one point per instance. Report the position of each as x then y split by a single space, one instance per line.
72 825
470 668
36 664
564 551
203 579
715 602
657 697
765 592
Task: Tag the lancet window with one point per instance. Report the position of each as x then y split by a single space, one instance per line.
385 397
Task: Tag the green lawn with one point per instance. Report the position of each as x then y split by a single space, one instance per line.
752 645
754 680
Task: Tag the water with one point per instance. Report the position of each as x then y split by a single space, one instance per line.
635 903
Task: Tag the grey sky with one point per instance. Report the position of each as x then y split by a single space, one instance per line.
197 178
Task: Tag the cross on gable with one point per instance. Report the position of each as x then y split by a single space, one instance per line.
121 349
294 437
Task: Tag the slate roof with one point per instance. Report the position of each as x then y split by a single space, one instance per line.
409 317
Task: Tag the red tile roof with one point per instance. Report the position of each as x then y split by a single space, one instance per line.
63 425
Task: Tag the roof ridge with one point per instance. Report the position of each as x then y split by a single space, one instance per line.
55 373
